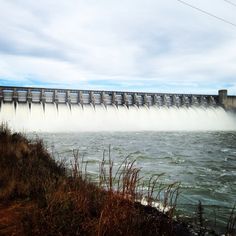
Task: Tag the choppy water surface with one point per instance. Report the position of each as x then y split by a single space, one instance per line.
204 162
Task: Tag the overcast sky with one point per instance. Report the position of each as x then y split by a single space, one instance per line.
135 45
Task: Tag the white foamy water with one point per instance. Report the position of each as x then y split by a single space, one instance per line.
88 118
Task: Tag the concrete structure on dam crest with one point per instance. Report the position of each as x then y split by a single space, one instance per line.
117 98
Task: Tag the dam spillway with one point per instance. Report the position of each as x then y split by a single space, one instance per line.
62 110
117 98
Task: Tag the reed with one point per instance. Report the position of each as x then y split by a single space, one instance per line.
230 229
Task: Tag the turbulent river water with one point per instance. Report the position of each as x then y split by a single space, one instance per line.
204 162
195 146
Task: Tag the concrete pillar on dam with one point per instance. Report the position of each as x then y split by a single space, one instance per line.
125 100
68 99
15 97
145 100
103 99
173 100
29 98
55 98
92 98
114 102
223 97
80 98
155 100
42 98
135 99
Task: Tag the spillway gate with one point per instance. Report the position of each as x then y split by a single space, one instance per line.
106 98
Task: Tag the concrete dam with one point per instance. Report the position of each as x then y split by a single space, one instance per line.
68 110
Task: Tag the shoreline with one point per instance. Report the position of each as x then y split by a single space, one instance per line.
105 211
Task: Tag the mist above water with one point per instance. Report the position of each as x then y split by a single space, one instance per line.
88 118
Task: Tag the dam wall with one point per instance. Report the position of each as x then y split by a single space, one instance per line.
64 110
228 102
85 97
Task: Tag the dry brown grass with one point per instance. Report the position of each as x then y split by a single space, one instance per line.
25 167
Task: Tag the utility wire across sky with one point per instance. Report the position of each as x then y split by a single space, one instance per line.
207 13
234 4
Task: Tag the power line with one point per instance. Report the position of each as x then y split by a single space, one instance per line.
207 13
230 3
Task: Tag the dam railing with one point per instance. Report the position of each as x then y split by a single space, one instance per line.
9 94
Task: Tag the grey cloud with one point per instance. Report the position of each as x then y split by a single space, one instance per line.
89 40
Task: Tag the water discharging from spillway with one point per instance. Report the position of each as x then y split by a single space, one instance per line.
88 118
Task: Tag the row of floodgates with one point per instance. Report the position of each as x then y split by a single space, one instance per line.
84 97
